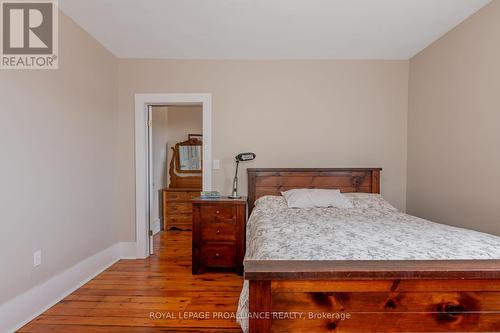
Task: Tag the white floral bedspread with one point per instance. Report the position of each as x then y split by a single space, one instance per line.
371 230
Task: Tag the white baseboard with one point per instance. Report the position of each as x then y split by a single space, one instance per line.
23 308
156 227
128 250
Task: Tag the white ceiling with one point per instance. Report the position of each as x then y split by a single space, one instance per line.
268 29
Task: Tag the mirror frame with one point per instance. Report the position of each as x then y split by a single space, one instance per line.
192 141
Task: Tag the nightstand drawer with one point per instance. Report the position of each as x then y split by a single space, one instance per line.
218 231
218 213
218 255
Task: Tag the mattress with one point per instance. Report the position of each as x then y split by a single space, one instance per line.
371 230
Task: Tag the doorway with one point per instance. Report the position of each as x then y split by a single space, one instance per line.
176 168
145 184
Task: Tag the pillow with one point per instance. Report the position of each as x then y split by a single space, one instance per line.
307 198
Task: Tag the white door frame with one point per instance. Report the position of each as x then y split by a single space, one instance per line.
150 179
142 101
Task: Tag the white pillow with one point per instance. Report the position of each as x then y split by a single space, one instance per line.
307 198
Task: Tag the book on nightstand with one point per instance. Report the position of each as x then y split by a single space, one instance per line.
210 194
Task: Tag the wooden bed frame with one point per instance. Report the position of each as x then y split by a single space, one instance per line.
376 295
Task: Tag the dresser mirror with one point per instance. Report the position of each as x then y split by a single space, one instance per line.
188 155
187 163
189 159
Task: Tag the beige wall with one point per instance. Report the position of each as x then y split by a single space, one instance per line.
454 126
171 125
58 138
290 113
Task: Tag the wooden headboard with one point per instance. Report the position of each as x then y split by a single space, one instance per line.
271 181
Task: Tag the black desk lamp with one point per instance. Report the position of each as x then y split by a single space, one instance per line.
239 158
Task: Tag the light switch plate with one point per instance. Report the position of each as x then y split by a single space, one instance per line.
37 258
216 164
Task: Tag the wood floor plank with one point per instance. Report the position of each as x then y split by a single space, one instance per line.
47 328
127 296
143 321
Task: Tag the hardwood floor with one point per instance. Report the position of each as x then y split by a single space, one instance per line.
122 298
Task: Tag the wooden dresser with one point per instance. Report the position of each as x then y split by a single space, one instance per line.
218 234
177 208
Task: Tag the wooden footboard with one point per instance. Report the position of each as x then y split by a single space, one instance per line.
374 296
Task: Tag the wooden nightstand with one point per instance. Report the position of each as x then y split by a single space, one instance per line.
218 234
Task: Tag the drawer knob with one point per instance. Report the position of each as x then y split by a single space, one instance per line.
217 255
217 212
218 231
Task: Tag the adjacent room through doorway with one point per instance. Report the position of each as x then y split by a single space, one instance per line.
176 165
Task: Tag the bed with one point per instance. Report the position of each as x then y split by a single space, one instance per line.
365 269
